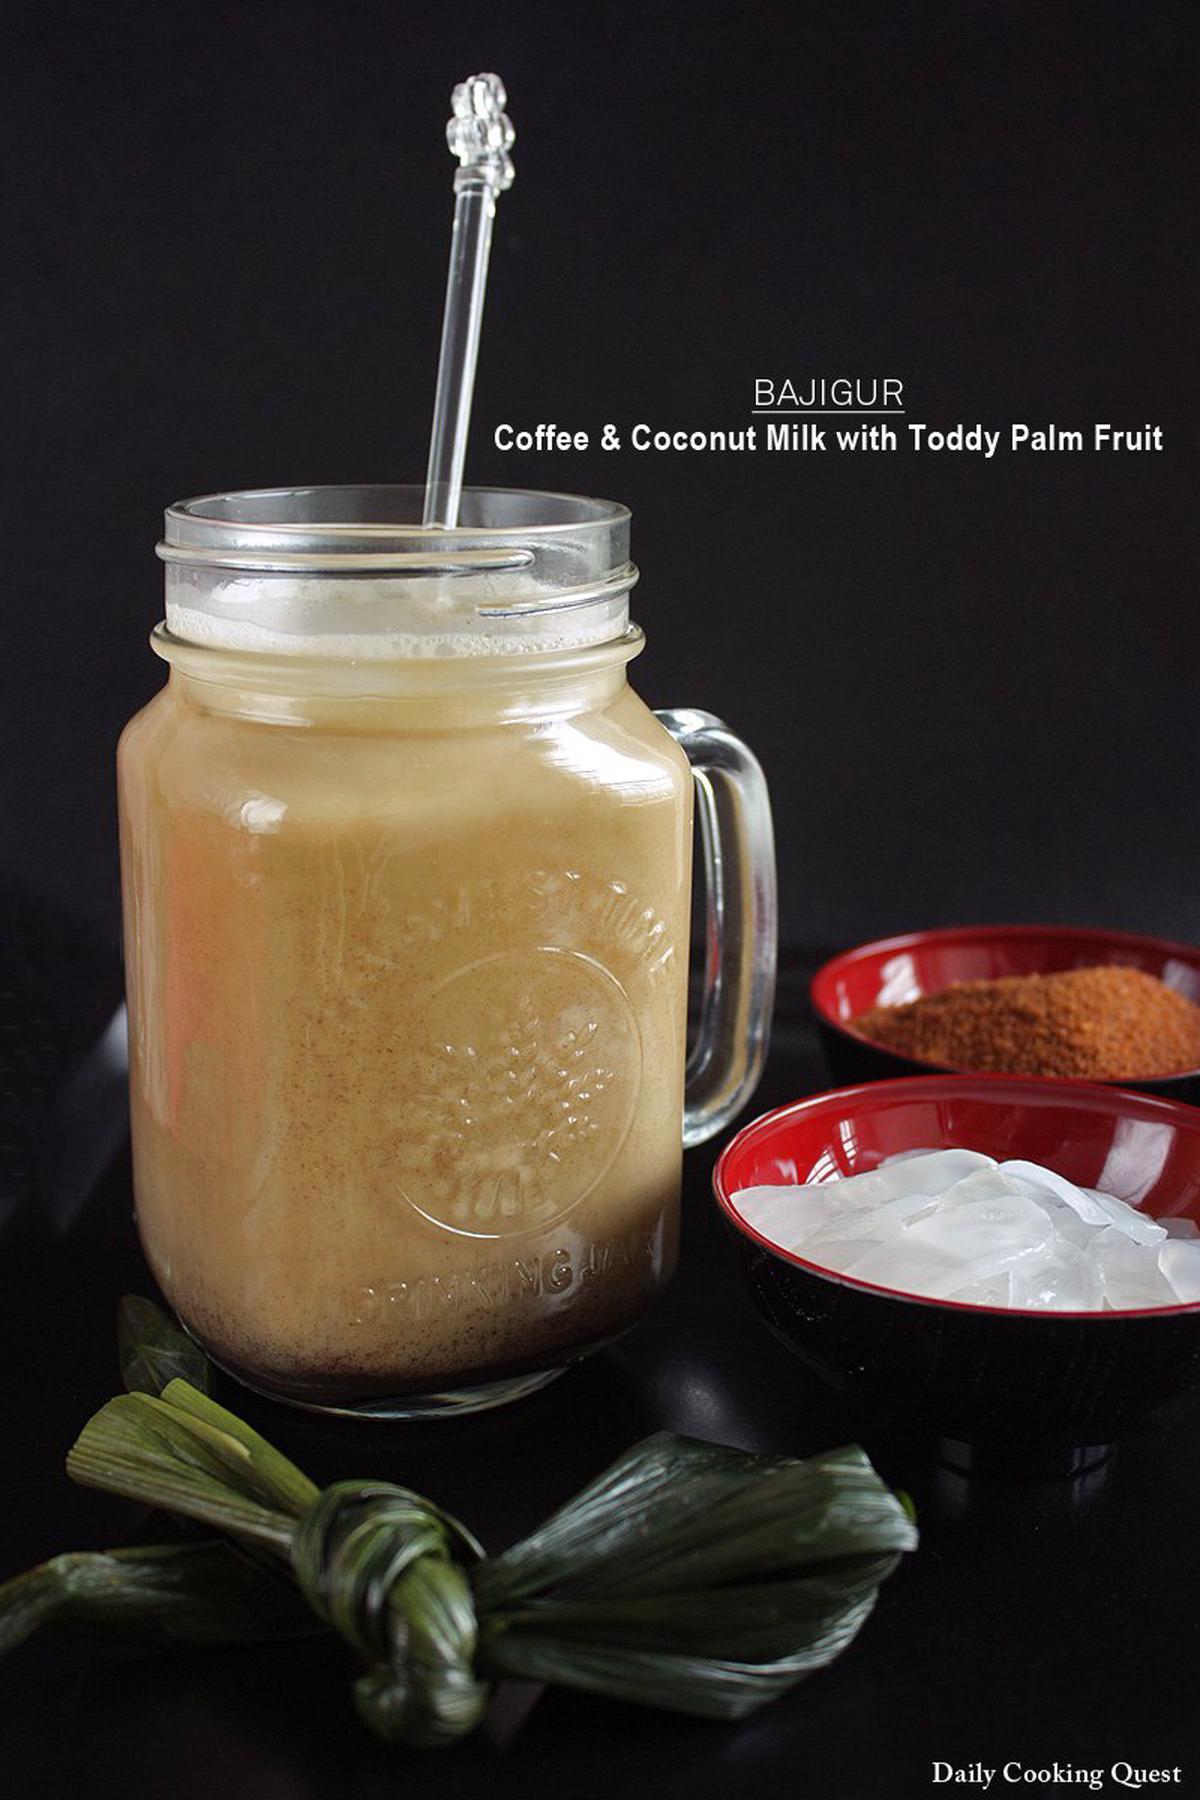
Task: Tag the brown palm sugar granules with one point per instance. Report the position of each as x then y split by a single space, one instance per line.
1106 1024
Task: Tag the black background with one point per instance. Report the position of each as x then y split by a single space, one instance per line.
973 685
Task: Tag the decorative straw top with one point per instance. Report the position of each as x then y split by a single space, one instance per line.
481 134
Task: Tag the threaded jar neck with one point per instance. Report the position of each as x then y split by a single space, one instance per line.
350 574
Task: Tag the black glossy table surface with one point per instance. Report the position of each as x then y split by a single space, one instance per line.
1038 1624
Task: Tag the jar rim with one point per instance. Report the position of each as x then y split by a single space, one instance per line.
355 564
209 517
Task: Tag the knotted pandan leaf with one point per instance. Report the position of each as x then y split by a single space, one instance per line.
689 1576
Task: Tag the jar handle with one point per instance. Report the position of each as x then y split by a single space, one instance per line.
741 921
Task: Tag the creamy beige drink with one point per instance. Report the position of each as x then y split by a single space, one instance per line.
407 995
406 871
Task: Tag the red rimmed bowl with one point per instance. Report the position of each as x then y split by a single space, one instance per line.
891 971
1015 1392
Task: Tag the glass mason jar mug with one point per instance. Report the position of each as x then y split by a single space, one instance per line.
406 875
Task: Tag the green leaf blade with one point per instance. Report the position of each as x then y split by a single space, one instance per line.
674 1514
695 1577
146 1449
272 1474
152 1350
201 1593
760 1622
705 1687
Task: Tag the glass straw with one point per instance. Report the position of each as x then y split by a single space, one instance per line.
480 134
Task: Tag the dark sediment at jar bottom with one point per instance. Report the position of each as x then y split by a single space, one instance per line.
341 1384
472 1391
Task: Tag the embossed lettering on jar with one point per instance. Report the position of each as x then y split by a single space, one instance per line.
407 879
